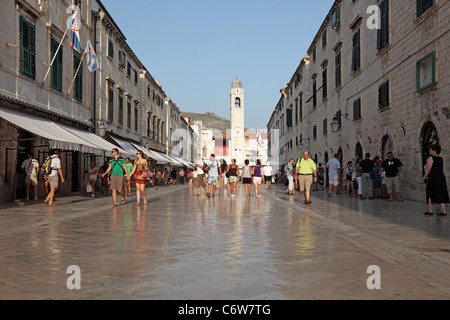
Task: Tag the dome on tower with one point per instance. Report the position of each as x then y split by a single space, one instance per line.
236 84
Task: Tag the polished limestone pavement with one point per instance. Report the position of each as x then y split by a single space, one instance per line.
183 247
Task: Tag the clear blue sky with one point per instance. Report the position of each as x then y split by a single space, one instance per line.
196 48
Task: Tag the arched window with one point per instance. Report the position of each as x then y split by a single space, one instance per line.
429 137
237 102
358 150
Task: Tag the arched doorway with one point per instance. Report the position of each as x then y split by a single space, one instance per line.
341 156
429 136
387 146
358 150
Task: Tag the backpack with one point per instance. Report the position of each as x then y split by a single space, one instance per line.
46 168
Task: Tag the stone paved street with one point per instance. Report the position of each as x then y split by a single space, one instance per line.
183 247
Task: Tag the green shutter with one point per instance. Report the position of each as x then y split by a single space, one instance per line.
27 48
289 117
56 71
78 81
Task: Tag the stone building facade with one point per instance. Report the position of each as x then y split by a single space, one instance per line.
373 89
120 100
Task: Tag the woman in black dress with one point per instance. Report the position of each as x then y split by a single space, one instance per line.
436 184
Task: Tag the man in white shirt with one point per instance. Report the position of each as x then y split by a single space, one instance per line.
268 175
199 167
53 177
334 167
31 167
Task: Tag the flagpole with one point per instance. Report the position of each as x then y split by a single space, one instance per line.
59 47
76 73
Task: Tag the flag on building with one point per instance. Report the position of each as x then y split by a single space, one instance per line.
259 138
92 57
75 43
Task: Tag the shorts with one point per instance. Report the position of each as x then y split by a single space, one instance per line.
267 178
247 180
334 181
54 181
213 180
116 182
392 184
31 180
257 180
233 179
305 182
200 181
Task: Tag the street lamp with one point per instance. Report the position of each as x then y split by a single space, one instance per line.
101 130
335 124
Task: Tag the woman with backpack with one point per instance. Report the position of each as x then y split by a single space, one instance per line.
246 178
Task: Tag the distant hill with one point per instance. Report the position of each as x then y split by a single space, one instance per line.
209 120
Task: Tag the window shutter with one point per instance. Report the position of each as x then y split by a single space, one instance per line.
338 69
289 117
356 51
325 84
383 32
27 48
111 105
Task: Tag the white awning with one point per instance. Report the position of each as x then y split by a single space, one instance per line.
125 145
59 138
184 162
152 154
94 139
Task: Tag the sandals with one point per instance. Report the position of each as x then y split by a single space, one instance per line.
124 201
114 206
428 213
442 214
307 202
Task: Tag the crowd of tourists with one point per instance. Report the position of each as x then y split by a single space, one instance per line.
363 179
366 178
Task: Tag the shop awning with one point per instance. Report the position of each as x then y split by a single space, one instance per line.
95 140
184 162
58 137
125 145
152 154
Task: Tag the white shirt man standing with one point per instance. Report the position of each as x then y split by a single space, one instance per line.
334 167
215 172
268 175
31 167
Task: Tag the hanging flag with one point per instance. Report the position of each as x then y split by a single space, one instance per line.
259 138
92 57
75 43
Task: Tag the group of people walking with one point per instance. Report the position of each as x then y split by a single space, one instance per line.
219 174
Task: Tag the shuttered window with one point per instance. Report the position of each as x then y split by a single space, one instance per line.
356 51
338 69
383 95
423 5
78 81
57 67
357 109
121 109
289 117
383 32
110 104
27 48
314 94
325 84
129 114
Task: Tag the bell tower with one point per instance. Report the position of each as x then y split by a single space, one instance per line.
237 122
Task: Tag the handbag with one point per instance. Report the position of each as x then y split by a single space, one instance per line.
219 184
147 174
